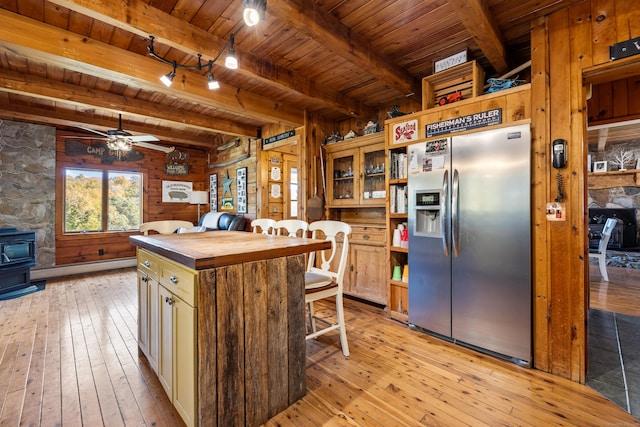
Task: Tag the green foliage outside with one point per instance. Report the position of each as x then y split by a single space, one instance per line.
125 201
84 202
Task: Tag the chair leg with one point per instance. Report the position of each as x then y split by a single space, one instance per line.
341 323
602 263
312 319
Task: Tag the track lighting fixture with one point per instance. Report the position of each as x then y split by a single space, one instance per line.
167 79
253 11
213 83
230 62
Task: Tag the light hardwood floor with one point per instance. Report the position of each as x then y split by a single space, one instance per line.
621 294
69 357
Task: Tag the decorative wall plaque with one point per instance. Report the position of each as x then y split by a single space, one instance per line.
176 191
177 163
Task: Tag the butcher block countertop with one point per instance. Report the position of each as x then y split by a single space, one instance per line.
212 249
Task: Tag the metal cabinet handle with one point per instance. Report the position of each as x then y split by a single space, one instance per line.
145 279
146 263
365 237
173 279
169 300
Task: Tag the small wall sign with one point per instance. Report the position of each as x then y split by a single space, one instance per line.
624 49
279 137
450 61
405 131
460 124
177 163
275 173
176 191
99 150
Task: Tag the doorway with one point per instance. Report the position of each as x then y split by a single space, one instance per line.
278 181
613 145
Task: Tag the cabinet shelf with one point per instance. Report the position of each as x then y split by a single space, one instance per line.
398 215
398 181
396 186
399 283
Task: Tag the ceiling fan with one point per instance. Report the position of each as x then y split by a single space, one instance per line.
121 140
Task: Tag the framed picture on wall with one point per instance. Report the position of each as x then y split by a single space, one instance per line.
599 167
213 192
241 190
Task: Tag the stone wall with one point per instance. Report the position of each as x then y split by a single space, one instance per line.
617 197
28 183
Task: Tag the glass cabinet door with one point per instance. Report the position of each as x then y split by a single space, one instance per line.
373 190
343 189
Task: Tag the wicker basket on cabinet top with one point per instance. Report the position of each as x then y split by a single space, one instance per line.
460 82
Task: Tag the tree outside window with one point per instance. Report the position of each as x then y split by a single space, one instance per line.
97 201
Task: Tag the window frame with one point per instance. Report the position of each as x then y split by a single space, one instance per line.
105 175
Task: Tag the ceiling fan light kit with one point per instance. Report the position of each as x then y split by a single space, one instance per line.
121 141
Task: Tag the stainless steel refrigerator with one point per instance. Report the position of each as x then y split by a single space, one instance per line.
470 240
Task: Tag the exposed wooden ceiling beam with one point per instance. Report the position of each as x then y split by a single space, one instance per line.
45 43
69 118
35 87
308 19
602 138
477 20
144 20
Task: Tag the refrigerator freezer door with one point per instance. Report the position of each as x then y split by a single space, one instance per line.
429 263
491 291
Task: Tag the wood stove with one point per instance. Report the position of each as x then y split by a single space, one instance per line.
624 233
17 256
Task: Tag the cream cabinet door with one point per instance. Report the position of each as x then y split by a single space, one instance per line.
143 313
153 304
184 360
177 360
148 303
165 333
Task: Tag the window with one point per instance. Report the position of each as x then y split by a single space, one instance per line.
96 201
293 192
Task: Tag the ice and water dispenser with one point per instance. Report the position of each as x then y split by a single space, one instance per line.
427 215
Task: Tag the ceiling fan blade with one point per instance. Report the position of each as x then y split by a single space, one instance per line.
92 131
95 138
143 138
153 146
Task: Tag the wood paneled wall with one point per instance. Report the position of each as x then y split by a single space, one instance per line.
563 46
614 101
241 148
76 248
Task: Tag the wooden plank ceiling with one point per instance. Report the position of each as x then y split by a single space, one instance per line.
82 62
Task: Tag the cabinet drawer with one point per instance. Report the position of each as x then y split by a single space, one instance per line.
179 280
148 263
368 235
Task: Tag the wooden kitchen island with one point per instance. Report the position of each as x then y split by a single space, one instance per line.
221 321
